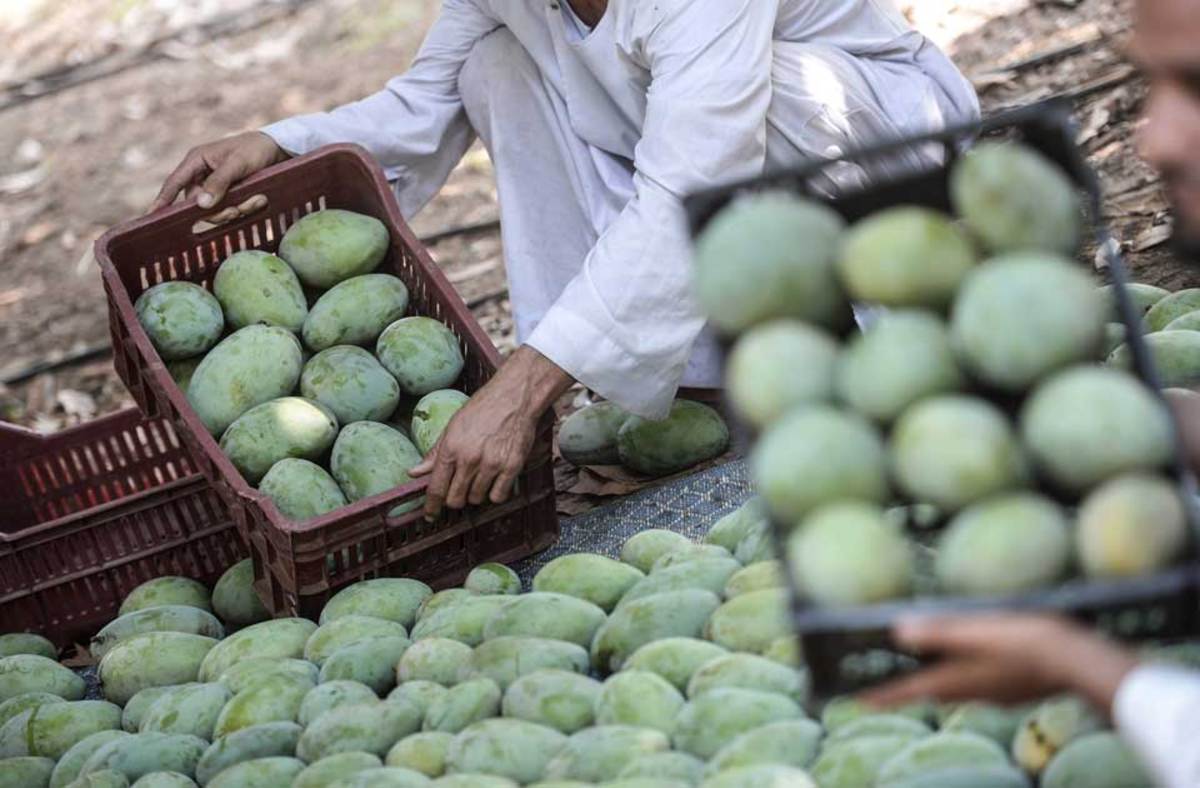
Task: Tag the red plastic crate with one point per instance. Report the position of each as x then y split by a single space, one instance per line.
92 512
299 565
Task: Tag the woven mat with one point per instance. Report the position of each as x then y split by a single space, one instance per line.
687 506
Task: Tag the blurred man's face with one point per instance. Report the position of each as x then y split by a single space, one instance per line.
1166 43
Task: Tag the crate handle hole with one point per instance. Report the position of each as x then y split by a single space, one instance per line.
250 205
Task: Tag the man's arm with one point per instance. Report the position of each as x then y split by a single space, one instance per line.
626 324
416 127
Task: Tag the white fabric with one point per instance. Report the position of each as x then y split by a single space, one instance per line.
659 99
1157 710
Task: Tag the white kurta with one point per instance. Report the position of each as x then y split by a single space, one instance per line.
1157 710
597 134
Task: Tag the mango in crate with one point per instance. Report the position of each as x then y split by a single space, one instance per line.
817 455
257 287
301 489
905 257
905 356
1088 424
1005 544
953 450
1131 525
1176 355
1023 316
371 458
276 430
589 435
1013 198
183 320
849 554
421 353
770 256
690 434
327 247
780 365
253 365
432 415
355 311
351 383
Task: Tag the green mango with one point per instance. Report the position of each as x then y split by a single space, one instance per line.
770 256
257 287
276 430
234 599
330 246
355 311
600 753
515 749
183 320
906 256
589 435
1088 424
167 591
691 434
1021 317
370 458
1014 198
253 365
421 353
903 357
160 618
351 383
272 739
153 659
849 554
26 643
191 709
432 415
281 638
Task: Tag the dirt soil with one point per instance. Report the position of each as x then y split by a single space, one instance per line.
159 76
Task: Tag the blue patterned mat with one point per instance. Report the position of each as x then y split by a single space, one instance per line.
688 506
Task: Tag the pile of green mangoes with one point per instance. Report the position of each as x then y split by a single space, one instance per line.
275 362
1171 328
977 390
668 668
607 434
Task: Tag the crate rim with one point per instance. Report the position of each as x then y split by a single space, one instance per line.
362 159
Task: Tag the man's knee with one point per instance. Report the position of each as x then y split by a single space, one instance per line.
496 58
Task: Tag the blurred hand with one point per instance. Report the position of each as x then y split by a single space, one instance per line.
1006 658
209 170
485 446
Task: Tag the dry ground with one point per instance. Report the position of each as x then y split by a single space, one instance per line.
163 75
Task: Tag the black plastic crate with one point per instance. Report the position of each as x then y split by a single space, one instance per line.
849 649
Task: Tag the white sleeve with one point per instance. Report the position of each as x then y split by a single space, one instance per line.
1157 710
416 126
626 324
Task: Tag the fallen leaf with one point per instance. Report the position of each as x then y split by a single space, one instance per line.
78 404
592 483
1152 237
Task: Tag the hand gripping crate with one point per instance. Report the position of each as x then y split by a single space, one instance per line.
298 565
93 511
848 649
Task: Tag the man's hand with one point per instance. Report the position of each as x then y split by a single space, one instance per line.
486 444
1007 659
211 169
